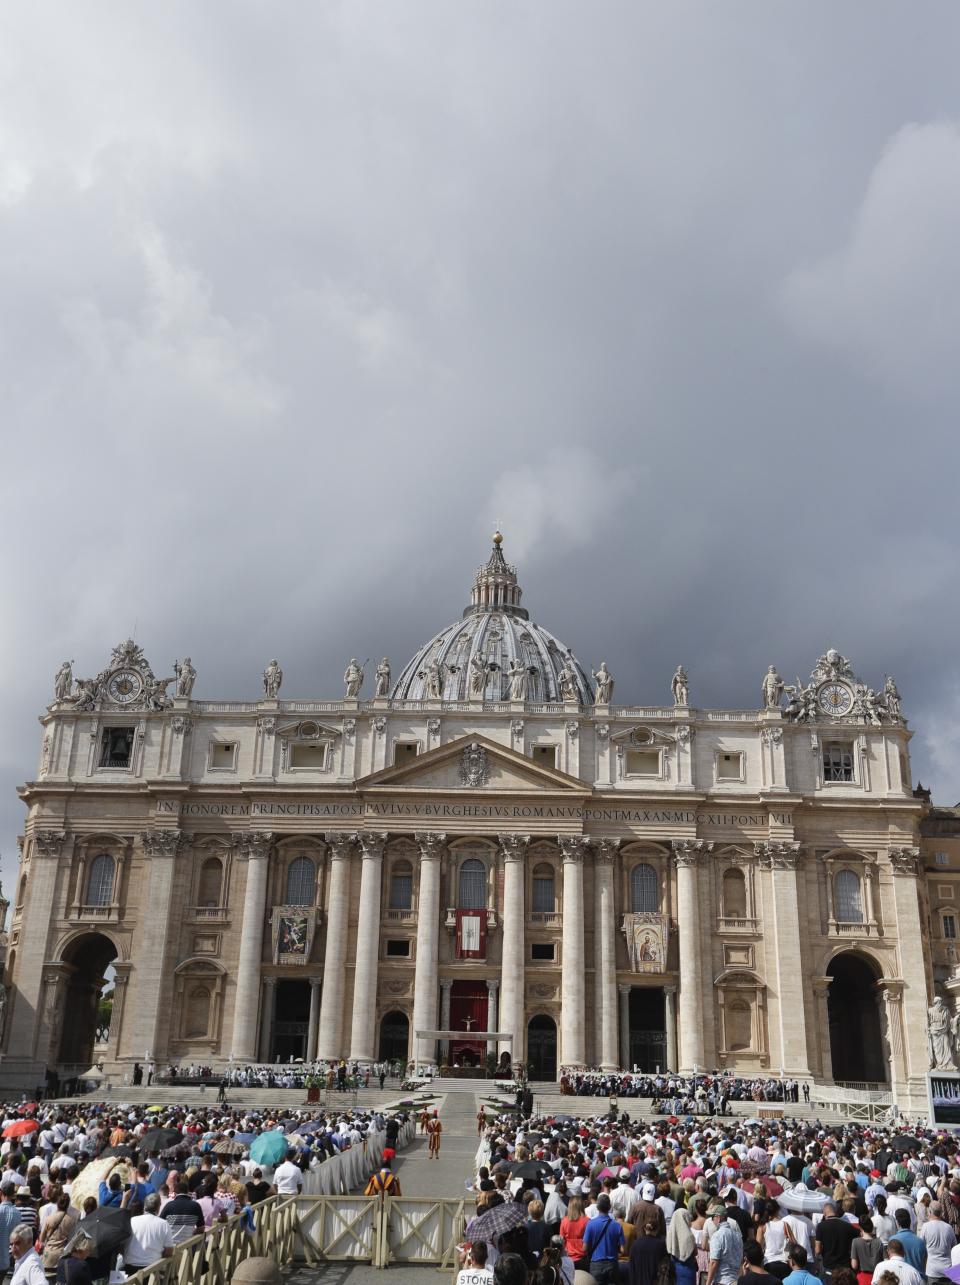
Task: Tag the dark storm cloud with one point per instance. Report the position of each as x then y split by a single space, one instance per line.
298 301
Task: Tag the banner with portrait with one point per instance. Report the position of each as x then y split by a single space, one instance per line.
471 934
648 937
292 934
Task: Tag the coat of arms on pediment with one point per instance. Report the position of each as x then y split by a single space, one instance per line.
474 765
642 735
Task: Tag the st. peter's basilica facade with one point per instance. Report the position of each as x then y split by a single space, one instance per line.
485 845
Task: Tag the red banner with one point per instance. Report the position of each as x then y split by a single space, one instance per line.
471 934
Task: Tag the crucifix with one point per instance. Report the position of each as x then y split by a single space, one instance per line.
467 1021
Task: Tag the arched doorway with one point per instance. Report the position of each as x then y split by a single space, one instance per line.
542 1048
88 958
291 1020
394 1037
856 1041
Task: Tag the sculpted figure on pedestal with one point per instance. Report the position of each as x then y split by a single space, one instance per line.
85 697
435 678
186 676
680 686
353 677
772 688
891 698
381 686
478 675
568 681
156 693
63 681
517 673
604 680
939 1036
272 678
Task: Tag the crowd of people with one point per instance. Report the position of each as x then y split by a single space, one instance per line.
704 1092
82 1188
712 1202
340 1075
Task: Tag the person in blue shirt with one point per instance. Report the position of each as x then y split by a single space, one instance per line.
9 1218
797 1258
603 1241
111 1193
914 1250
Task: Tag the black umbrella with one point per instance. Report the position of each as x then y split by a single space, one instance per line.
160 1139
527 1169
123 1152
905 1142
109 1229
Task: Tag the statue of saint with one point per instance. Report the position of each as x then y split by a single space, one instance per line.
604 680
891 697
63 681
353 677
85 697
680 686
156 696
186 676
568 681
381 686
435 678
478 675
939 1036
772 688
517 673
272 678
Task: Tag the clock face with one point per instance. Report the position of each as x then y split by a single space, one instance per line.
124 686
835 699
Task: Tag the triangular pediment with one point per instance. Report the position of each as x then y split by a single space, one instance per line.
472 763
643 736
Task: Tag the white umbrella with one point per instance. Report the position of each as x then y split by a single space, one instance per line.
801 1200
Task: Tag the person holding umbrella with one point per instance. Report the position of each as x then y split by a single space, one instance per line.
74 1267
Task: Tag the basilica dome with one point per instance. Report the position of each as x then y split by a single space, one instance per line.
494 649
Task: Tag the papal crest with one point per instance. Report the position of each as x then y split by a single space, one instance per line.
474 767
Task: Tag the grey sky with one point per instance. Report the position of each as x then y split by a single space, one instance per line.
296 300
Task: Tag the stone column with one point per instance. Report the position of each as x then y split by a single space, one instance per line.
255 848
514 850
492 1016
363 1031
670 1013
120 985
446 986
27 997
892 994
687 854
605 953
149 1014
313 1028
330 1040
904 863
428 942
267 1009
821 990
624 992
573 1014
783 860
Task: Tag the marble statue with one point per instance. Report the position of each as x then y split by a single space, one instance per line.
478 675
604 680
568 681
939 1036
63 681
156 693
85 697
865 704
517 673
186 676
891 698
353 677
272 678
435 678
680 686
772 688
381 684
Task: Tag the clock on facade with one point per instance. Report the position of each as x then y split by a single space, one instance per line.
835 699
124 686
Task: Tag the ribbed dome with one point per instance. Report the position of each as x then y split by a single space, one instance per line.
472 658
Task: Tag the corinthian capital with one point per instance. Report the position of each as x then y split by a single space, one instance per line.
373 844
253 843
774 855
513 846
161 843
49 843
431 844
573 846
341 844
905 861
687 852
606 849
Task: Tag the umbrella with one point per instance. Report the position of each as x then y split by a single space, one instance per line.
245 1138
109 1229
491 1225
160 1139
97 1171
953 1274
801 1200
28 1108
564 1119
773 1187
121 1153
527 1169
228 1147
19 1128
268 1149
905 1142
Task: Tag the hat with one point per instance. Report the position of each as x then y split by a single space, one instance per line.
24 1191
648 1191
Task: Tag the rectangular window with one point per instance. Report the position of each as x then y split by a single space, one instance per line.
116 747
945 891
398 949
223 755
838 762
545 754
404 751
542 950
543 897
950 927
643 763
942 859
308 756
401 891
729 767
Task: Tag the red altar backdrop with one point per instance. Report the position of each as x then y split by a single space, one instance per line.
468 1012
471 934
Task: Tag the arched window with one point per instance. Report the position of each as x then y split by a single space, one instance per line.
210 883
544 896
846 896
473 885
734 895
301 882
197 1015
401 886
644 893
100 882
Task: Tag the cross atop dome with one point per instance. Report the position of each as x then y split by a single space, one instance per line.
495 585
